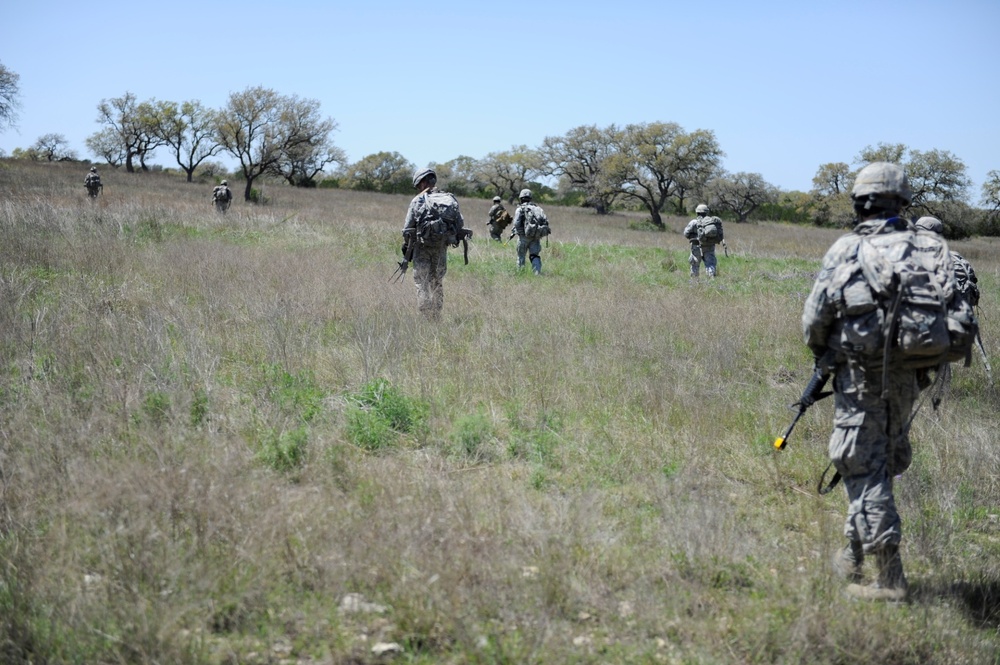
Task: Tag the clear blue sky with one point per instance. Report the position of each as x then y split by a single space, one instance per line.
786 86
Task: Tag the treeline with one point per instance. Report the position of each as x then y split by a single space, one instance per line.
656 167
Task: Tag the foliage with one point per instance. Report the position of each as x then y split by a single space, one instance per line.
379 413
385 172
741 193
269 133
9 97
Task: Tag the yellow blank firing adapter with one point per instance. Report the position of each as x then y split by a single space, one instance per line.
779 443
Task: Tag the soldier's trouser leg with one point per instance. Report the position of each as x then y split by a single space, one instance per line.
708 255
536 264
429 268
869 446
695 259
522 250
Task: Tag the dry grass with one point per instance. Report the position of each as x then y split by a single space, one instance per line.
590 479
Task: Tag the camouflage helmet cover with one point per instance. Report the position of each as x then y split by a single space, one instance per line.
496 199
525 194
702 208
882 179
225 182
421 174
93 169
932 224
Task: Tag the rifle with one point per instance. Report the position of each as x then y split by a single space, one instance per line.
463 237
409 243
812 394
725 248
986 360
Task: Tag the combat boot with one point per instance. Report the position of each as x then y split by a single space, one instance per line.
848 562
891 583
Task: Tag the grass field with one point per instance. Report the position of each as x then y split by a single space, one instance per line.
231 440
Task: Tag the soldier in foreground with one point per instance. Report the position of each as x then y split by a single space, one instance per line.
530 226
222 196
433 221
860 327
704 233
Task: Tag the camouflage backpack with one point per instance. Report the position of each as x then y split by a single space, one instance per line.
710 230
223 194
898 299
502 220
965 277
441 220
536 225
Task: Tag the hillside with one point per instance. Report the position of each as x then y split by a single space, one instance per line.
230 440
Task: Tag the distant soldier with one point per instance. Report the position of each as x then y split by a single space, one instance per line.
499 219
965 275
221 196
93 183
530 226
704 233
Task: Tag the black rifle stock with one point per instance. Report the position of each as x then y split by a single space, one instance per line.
812 394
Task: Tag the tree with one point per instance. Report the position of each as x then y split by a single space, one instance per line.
271 133
657 161
9 97
894 153
460 176
387 172
991 193
508 172
938 179
106 145
131 126
833 179
52 148
581 156
309 148
742 193
188 129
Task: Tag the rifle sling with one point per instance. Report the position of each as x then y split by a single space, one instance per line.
833 481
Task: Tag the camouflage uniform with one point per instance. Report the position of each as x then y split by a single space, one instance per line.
93 182
222 196
965 278
870 442
525 247
701 250
495 226
430 261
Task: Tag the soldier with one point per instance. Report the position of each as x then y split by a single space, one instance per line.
874 393
965 276
704 233
499 219
93 183
433 221
530 226
222 196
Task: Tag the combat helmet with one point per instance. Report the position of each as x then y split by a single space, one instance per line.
932 224
525 194
702 209
879 183
496 199
93 169
225 182
421 174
